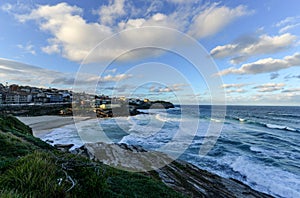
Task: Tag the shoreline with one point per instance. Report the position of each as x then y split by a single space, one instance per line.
41 125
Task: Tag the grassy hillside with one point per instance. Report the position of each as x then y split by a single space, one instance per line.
31 168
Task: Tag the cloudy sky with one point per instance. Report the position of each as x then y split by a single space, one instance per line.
250 50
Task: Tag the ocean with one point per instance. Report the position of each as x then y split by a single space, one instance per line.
257 145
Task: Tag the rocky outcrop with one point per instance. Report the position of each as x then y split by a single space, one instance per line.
125 157
155 105
181 176
63 147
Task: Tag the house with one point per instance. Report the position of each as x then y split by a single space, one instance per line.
17 98
67 96
54 97
13 88
41 98
133 101
26 89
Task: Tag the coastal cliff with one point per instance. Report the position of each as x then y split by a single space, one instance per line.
178 175
30 167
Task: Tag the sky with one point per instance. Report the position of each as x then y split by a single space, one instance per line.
186 51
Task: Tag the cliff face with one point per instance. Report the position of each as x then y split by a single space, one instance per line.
181 176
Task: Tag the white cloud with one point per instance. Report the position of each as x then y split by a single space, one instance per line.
118 77
265 44
13 8
288 23
28 48
268 44
215 18
51 49
288 27
235 91
264 65
108 14
111 71
234 88
227 86
73 36
269 87
224 51
7 7
285 21
166 89
24 73
12 71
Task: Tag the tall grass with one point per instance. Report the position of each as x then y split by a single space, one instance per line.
35 175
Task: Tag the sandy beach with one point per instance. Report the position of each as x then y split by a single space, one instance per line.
43 124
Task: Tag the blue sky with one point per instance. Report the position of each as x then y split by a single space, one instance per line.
254 44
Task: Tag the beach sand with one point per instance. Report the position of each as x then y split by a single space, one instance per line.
42 125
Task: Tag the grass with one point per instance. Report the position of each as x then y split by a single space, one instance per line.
34 175
10 194
32 168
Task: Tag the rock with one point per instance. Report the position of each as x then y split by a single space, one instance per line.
83 151
64 147
49 141
194 182
178 175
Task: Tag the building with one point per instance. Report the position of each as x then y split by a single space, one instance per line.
40 98
1 101
18 98
54 97
13 88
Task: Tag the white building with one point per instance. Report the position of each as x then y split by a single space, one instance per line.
17 98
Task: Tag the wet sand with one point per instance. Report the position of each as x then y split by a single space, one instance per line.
41 125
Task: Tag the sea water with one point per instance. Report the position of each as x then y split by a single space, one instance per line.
259 146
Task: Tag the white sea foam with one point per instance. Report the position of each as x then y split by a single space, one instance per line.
274 126
268 179
65 135
166 118
242 120
215 120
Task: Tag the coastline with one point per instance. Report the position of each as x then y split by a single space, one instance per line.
190 182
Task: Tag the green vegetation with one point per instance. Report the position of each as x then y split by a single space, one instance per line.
32 168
